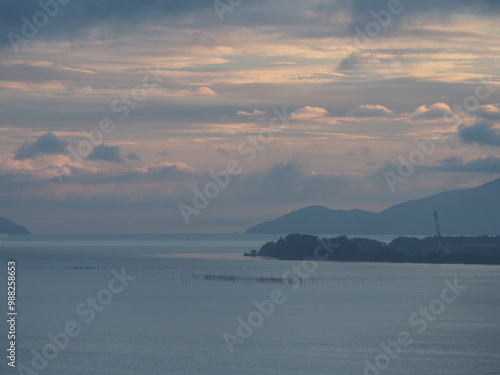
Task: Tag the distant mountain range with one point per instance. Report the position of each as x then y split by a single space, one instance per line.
8 227
473 211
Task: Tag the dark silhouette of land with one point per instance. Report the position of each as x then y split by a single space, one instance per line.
454 250
461 212
9 227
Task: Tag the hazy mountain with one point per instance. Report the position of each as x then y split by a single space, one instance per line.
8 227
461 212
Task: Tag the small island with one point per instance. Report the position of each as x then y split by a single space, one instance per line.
437 250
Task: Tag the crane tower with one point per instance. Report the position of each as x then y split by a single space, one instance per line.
438 233
436 218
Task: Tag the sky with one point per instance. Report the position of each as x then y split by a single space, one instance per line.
149 116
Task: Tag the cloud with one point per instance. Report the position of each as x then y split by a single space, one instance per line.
83 19
380 61
488 112
437 111
308 113
351 62
106 153
205 91
253 113
426 10
286 182
79 17
454 164
370 110
223 152
167 185
47 144
489 164
483 133
151 194
134 157
362 59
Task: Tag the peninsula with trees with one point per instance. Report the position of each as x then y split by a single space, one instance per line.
437 250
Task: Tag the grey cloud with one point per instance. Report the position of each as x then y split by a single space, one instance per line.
488 112
40 74
365 59
362 10
134 157
452 160
288 182
351 62
106 153
489 164
365 150
170 173
149 196
74 19
47 144
223 152
133 187
483 133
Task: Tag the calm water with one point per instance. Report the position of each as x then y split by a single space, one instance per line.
190 289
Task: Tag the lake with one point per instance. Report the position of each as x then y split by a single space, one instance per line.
192 304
